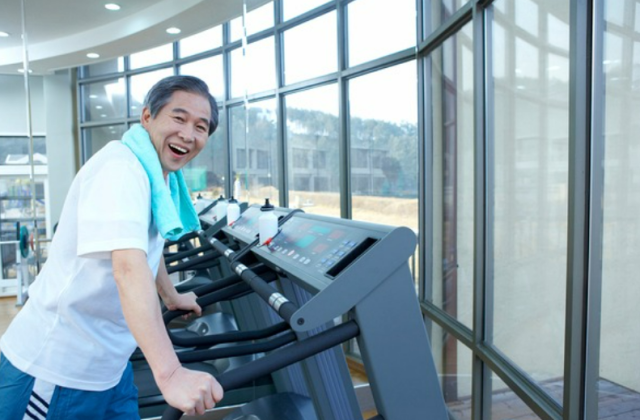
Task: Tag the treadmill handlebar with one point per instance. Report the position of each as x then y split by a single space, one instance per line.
279 359
268 293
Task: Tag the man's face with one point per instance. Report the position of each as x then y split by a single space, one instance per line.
180 130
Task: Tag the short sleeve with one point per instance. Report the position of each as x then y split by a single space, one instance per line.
114 210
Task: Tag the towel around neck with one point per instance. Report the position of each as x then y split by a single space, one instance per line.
171 207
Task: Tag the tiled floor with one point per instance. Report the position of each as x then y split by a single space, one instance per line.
615 402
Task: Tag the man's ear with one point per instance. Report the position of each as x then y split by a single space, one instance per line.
145 117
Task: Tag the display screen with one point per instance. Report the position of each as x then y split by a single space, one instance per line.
313 244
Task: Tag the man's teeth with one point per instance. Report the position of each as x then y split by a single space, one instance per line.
177 148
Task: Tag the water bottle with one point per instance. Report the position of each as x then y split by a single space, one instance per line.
221 208
199 204
267 223
237 188
233 211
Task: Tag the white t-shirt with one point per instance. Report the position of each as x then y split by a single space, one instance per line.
72 332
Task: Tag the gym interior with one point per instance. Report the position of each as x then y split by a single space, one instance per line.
452 182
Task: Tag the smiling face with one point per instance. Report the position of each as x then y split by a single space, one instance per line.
180 129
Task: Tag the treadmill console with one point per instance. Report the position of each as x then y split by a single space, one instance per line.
319 246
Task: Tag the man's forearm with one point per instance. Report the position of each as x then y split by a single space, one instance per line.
164 285
141 309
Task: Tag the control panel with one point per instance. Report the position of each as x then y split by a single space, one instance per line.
319 246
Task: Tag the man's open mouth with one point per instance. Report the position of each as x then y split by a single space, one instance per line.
178 150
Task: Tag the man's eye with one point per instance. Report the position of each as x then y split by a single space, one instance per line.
179 119
202 128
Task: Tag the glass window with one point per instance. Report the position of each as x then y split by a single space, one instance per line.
293 8
453 175
311 49
384 146
102 100
530 180
162 54
614 12
140 86
453 363
376 30
506 405
254 151
439 11
211 71
558 32
257 20
16 151
619 383
235 29
106 67
201 42
16 206
256 70
206 173
526 15
313 149
96 138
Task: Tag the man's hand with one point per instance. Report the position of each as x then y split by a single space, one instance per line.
185 302
191 391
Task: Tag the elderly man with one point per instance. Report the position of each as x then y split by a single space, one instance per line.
66 354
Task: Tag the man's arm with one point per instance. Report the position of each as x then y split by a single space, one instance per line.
170 296
187 390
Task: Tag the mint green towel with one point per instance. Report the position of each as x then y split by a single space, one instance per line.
171 207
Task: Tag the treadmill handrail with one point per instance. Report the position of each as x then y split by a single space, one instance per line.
279 359
236 351
230 337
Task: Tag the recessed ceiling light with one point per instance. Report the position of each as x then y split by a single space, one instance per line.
112 6
93 96
98 106
22 70
173 30
4 34
93 55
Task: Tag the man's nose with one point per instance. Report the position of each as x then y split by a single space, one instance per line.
188 134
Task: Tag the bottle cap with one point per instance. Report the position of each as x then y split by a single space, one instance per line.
233 200
266 206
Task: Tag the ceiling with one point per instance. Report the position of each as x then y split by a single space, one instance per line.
60 33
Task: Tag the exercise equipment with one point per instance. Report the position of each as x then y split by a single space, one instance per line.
194 257
354 271
217 320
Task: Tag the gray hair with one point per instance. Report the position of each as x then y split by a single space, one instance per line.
160 94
